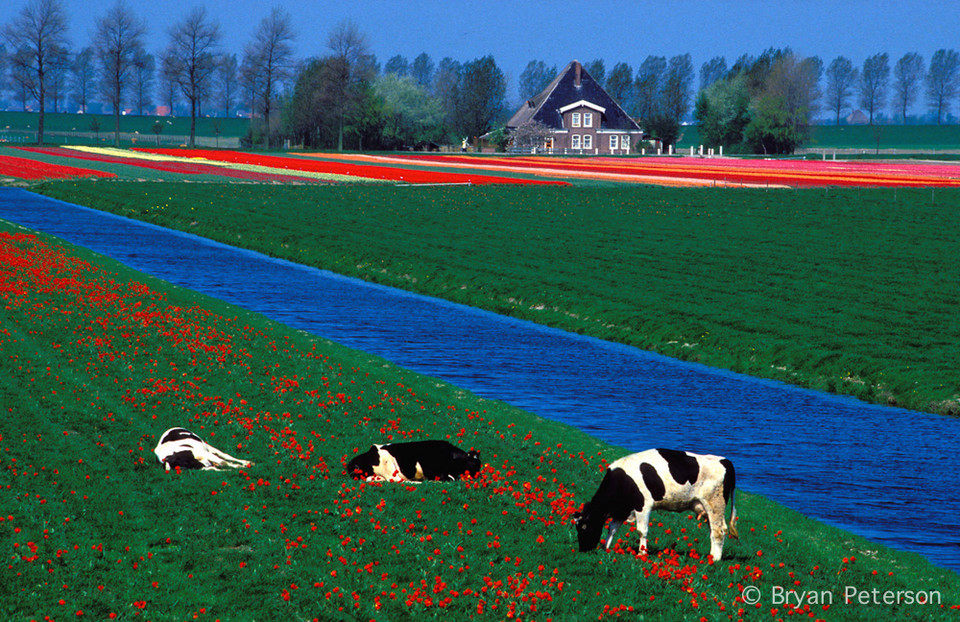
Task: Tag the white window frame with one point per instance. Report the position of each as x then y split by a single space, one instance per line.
625 142
575 119
587 119
588 141
614 142
575 141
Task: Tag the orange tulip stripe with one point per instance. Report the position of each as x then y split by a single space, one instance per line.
716 171
366 171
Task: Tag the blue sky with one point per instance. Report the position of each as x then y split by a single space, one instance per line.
515 32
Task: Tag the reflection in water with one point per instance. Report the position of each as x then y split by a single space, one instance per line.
854 465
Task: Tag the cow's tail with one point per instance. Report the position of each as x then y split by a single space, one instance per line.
729 492
732 528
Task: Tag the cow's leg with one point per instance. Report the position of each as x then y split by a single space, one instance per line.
642 518
224 459
718 526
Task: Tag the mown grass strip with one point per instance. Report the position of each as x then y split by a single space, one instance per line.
850 291
100 360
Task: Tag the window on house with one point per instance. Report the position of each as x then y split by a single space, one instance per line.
587 119
575 141
587 141
625 143
575 119
614 142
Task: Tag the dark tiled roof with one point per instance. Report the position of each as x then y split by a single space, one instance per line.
545 107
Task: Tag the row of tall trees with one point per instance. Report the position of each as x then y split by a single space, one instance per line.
117 70
344 98
910 77
765 104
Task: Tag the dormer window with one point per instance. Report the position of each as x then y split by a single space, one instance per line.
587 119
575 119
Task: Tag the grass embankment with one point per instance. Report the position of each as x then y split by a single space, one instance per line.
851 291
99 360
869 138
68 122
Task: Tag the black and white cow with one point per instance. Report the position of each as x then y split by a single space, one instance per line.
415 461
179 447
660 479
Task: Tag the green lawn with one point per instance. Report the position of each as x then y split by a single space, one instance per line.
23 125
864 137
851 291
99 360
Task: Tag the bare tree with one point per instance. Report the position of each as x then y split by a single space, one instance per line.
907 75
227 83
168 86
37 37
144 66
57 74
351 51
191 57
873 83
118 38
943 80
83 73
841 77
268 59
530 136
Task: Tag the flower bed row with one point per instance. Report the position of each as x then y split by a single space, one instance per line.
715 171
23 168
362 170
171 166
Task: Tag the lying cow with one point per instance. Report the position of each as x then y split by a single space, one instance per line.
179 447
662 479
415 461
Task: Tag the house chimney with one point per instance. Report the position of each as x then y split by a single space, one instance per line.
576 75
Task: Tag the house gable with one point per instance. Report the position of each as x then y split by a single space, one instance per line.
580 114
572 87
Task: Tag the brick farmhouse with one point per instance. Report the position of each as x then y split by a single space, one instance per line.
579 115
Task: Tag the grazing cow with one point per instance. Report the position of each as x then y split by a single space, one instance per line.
179 447
415 461
662 479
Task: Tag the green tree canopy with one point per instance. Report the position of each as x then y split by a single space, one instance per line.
480 102
411 115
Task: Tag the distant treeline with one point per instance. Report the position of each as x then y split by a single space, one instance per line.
345 98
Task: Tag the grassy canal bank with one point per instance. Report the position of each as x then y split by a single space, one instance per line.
844 290
101 359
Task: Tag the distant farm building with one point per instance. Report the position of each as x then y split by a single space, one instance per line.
574 114
857 117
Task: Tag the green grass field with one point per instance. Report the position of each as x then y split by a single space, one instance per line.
850 291
99 360
16 126
928 138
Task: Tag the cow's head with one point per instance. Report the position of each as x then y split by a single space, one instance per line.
472 462
589 525
362 465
